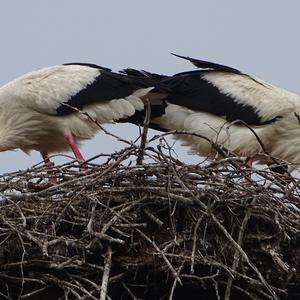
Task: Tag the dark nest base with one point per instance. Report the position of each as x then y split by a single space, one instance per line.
161 230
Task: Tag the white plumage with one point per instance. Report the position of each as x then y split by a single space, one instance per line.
39 110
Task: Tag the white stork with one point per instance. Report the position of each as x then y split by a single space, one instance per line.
39 110
220 103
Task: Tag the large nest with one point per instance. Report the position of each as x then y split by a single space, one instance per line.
156 229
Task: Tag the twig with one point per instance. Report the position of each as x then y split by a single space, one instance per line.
153 218
133 297
174 283
105 277
194 244
237 253
35 293
141 152
176 276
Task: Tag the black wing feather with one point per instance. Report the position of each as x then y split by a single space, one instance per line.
202 64
87 65
139 117
196 93
191 90
105 87
110 85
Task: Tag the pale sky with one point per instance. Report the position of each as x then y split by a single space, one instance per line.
257 37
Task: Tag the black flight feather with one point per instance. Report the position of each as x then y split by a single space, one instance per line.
106 86
198 94
87 65
202 64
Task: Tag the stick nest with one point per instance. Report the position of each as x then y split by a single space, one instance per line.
161 229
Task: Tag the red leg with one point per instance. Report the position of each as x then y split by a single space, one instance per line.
70 140
48 164
250 161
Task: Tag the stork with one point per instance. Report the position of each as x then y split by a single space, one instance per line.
51 109
246 115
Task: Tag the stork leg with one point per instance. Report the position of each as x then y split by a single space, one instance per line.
48 164
71 142
250 162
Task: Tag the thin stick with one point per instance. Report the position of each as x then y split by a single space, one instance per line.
236 256
141 153
105 277
129 292
175 274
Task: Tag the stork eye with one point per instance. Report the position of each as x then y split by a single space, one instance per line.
297 116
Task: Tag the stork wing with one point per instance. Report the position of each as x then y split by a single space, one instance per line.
225 92
58 90
228 93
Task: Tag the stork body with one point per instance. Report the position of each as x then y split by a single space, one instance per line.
220 103
40 110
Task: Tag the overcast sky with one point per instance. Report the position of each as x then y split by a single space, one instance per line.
257 37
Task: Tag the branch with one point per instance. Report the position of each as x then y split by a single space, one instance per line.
105 277
144 134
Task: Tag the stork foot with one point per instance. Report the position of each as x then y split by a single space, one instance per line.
83 166
52 180
49 164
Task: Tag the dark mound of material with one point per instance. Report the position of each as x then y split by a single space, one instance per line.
160 230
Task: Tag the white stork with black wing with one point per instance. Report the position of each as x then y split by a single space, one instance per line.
220 103
39 110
